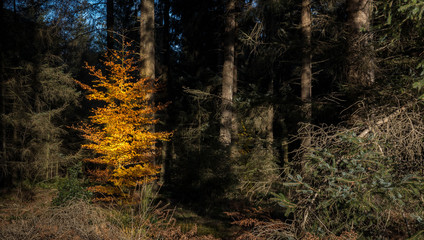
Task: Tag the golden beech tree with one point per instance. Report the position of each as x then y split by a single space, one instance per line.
119 132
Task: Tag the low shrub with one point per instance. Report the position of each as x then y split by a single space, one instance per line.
349 184
72 187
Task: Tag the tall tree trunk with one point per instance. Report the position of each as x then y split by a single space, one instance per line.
169 150
234 116
269 122
228 75
109 24
361 63
2 92
2 120
147 50
306 73
147 39
167 46
270 127
306 85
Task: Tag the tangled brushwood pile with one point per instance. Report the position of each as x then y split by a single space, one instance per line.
363 178
400 131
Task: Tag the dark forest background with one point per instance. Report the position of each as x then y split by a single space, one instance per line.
308 110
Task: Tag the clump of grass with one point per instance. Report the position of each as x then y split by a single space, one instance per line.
77 218
148 219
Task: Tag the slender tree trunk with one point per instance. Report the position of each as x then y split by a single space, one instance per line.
270 127
361 62
147 51
234 116
2 92
270 112
109 24
270 29
147 39
3 111
167 48
48 158
306 73
228 75
306 85
169 146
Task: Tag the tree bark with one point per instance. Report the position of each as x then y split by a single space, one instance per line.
147 51
167 46
109 24
2 121
169 151
269 122
360 61
306 73
147 39
2 92
234 116
228 75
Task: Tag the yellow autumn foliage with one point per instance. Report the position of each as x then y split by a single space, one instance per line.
119 132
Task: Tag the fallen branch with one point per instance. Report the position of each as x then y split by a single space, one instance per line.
382 121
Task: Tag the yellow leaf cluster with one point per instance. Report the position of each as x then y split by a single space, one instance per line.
119 132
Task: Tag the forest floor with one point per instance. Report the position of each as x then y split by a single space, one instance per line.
31 215
17 204
219 225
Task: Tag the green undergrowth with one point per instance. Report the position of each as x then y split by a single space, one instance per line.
72 187
350 184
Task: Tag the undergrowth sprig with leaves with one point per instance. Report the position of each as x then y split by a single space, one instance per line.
348 184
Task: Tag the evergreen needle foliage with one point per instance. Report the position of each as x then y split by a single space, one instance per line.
40 97
72 188
351 185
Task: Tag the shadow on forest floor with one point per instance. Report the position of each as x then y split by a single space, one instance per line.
219 225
